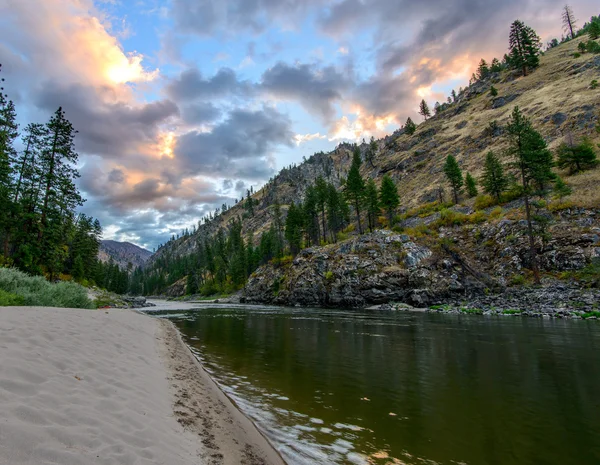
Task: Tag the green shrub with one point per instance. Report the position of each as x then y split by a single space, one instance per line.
517 280
329 275
452 218
36 291
484 201
594 84
8 299
576 55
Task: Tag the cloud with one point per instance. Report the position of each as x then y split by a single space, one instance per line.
200 113
239 146
191 85
208 17
317 89
302 138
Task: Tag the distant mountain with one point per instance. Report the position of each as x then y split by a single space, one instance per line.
123 253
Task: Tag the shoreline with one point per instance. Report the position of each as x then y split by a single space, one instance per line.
190 382
109 387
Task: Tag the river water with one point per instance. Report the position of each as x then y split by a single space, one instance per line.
337 387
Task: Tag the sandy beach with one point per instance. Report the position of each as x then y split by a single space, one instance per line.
112 387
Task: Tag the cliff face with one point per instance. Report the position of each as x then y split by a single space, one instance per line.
123 253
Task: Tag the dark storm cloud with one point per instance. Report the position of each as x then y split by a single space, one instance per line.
191 85
317 89
105 129
245 136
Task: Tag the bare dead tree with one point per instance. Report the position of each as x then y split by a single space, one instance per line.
569 21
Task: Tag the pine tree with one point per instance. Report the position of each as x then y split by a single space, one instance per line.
471 185
453 95
293 228
424 110
493 91
593 28
372 203
524 45
496 66
454 175
534 162
569 21
322 192
561 189
483 70
389 198
577 158
493 180
410 127
311 216
355 187
337 211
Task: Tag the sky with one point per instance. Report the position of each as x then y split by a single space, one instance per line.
182 105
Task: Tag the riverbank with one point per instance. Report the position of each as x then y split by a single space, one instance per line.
112 387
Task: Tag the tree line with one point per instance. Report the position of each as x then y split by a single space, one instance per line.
41 231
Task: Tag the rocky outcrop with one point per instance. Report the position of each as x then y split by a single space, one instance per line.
374 268
471 262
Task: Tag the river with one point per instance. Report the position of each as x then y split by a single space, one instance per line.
337 387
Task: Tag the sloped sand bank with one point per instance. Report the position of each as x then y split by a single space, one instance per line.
112 387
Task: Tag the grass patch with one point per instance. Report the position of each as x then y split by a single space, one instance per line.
36 291
511 311
440 307
590 315
588 276
517 280
472 311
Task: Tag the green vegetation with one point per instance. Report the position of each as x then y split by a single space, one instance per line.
471 186
587 315
424 110
512 311
23 289
410 127
454 175
389 198
40 230
577 158
524 45
493 180
472 311
534 162
355 187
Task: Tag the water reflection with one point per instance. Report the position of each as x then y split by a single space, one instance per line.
347 387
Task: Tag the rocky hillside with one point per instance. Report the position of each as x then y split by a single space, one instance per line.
450 257
123 254
557 97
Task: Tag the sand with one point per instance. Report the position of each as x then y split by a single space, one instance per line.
112 387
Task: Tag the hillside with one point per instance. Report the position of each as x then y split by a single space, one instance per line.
557 97
123 253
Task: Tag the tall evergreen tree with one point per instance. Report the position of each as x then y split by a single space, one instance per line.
471 185
355 187
493 180
372 203
483 70
389 198
569 21
524 45
294 228
410 127
322 192
371 151
534 162
454 175
424 110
